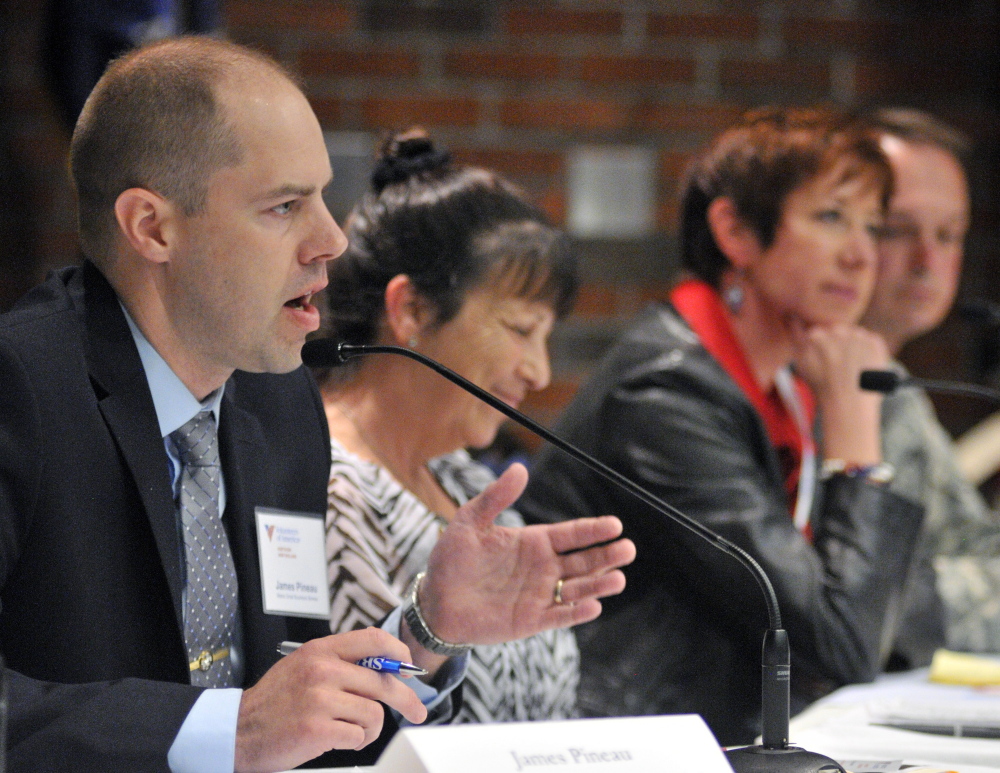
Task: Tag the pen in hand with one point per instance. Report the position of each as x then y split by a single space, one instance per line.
375 662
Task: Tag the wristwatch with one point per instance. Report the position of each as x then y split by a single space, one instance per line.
425 637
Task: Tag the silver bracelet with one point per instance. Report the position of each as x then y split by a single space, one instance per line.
425 637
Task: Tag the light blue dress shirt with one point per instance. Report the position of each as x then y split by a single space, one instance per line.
206 742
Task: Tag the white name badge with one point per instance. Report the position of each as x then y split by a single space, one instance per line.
292 549
681 743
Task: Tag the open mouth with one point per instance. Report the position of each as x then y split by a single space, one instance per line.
302 302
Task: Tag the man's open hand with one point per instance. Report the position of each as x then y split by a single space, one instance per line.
487 584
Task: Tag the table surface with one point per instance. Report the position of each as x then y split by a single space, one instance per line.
838 725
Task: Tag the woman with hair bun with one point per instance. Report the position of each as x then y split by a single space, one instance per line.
454 263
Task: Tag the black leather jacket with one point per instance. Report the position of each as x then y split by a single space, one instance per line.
686 634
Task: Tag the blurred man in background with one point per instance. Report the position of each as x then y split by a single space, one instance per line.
920 259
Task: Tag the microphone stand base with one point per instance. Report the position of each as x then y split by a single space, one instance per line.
791 759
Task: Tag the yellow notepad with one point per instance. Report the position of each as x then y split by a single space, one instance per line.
949 667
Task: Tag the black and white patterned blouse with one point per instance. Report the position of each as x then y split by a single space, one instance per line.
379 535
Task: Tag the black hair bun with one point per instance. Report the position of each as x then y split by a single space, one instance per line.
404 155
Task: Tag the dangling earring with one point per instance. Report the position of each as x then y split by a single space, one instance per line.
733 296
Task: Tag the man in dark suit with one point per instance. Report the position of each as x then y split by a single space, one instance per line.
199 167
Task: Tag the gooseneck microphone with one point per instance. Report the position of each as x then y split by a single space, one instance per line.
774 754
888 381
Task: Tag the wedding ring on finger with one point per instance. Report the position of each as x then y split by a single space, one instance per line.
557 596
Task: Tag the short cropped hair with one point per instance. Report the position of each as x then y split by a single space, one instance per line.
153 121
759 162
916 126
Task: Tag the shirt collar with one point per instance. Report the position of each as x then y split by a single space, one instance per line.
174 403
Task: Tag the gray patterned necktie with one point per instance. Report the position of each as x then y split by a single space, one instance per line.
211 596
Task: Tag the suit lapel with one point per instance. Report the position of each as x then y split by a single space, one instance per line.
125 402
244 451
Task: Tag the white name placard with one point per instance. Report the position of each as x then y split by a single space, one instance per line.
679 744
292 550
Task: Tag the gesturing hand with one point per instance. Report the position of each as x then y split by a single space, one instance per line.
487 584
317 699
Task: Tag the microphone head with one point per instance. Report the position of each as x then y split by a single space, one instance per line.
322 353
879 380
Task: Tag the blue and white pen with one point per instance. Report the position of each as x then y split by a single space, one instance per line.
375 662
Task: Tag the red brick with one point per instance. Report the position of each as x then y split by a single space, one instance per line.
41 142
949 36
260 39
783 73
314 15
527 20
551 401
615 69
24 99
579 114
673 164
65 243
553 203
653 292
366 63
597 301
738 27
395 112
419 17
879 78
512 163
701 118
495 64
874 78
526 439
546 407
328 111
668 212
853 33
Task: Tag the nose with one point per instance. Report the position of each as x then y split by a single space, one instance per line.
923 253
535 367
861 252
326 239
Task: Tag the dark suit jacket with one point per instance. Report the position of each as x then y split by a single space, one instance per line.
91 559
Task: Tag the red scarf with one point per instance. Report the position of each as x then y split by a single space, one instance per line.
702 308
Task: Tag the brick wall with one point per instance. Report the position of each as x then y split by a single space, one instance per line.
517 85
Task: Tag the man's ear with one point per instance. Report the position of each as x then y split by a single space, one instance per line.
146 221
734 238
407 312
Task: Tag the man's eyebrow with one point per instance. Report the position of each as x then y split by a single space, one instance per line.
290 190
